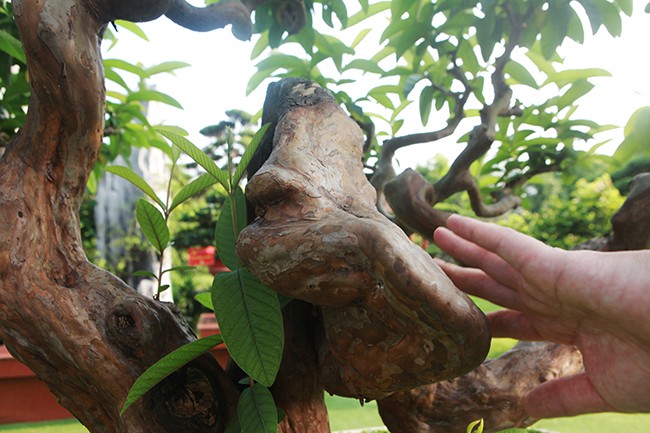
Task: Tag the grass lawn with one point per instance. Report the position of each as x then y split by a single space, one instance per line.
347 414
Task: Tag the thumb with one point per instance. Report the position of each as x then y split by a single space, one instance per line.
566 396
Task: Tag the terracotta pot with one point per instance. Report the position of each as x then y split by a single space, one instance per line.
24 397
208 326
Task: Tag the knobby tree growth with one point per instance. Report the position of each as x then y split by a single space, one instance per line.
374 318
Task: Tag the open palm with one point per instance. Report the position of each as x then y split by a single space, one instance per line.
599 302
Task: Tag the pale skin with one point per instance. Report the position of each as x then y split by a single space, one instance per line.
597 301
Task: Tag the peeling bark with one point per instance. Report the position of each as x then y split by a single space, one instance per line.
391 319
80 329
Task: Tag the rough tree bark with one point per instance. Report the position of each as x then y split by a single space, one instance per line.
390 318
83 331
493 392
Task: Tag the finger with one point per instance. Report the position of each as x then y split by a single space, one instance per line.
473 255
478 283
513 324
515 248
566 396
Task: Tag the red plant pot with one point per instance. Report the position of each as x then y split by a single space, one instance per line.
24 397
208 326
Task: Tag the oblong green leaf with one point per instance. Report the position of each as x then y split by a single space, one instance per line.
167 365
144 274
256 410
520 74
168 67
133 28
228 227
248 154
568 76
365 66
12 46
373 9
191 189
153 95
110 74
250 320
153 224
426 98
205 299
197 155
137 181
126 66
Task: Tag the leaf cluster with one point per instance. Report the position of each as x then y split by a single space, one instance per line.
248 312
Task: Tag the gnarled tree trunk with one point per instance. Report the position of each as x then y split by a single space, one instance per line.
82 331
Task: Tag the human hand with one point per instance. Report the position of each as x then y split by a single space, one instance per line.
597 301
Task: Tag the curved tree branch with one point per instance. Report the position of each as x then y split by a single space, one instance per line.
214 16
493 392
416 214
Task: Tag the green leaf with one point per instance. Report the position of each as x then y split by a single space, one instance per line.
556 27
173 129
137 181
576 91
256 79
363 14
153 95
251 323
637 136
593 13
248 154
284 61
426 99
647 8
563 78
468 56
364 65
144 274
205 299
191 189
167 365
611 18
168 67
126 66
110 74
197 155
627 6
256 410
153 224
261 44
360 37
520 74
12 46
476 426
225 232
133 28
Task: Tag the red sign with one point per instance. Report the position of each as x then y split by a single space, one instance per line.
201 256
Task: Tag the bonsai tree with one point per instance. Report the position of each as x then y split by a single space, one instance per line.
375 317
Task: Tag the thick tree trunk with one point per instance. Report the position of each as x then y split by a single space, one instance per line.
81 330
390 318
